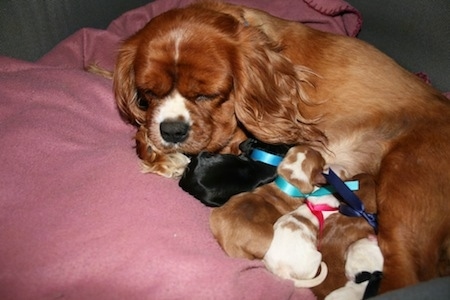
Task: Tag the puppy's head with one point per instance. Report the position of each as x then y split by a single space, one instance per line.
303 167
215 178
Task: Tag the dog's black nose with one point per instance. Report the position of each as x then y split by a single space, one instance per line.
174 131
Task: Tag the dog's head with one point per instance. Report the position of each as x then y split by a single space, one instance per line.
193 75
302 167
176 77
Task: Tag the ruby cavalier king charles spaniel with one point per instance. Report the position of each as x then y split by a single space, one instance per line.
207 76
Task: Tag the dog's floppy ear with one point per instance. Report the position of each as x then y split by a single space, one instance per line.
124 84
269 90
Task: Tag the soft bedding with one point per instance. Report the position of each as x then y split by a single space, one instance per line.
78 220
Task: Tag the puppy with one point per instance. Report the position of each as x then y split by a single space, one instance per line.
363 268
340 232
214 178
203 77
244 225
293 253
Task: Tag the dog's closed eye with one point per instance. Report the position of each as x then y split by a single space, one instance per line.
143 99
203 97
142 103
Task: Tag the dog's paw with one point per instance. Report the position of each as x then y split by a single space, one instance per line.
171 165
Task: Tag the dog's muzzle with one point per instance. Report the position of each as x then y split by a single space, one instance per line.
174 131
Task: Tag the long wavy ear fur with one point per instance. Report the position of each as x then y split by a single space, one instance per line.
270 92
124 84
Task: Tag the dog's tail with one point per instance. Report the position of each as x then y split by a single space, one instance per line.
309 283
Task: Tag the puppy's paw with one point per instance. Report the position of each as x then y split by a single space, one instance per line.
363 255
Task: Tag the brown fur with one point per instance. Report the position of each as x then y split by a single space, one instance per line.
244 225
287 83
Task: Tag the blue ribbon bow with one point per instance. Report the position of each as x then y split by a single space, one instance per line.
354 206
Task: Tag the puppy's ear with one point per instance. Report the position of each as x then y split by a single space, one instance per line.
124 84
319 178
270 91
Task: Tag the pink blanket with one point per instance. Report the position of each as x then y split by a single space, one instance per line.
77 218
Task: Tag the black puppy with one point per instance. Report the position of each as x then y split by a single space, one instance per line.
214 178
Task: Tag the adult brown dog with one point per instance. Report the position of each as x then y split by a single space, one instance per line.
193 77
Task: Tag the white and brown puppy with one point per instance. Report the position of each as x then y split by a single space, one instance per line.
248 231
293 253
243 226
363 258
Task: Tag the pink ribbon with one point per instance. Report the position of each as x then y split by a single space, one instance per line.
317 210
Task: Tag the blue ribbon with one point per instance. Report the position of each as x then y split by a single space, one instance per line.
293 191
266 157
354 206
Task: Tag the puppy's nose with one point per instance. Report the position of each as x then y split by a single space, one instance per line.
174 131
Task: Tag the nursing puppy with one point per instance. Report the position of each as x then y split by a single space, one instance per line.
244 225
293 253
215 178
339 233
363 268
298 238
